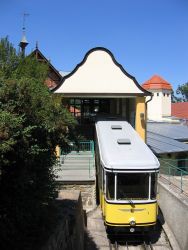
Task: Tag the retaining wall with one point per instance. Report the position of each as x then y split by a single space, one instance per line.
174 207
69 233
87 193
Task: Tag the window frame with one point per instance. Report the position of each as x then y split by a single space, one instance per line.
115 200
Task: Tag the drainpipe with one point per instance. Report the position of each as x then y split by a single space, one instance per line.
151 97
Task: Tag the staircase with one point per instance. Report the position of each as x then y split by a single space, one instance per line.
76 167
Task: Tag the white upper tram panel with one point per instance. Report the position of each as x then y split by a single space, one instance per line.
122 149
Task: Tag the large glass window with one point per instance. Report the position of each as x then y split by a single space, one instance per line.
132 186
110 178
86 109
153 186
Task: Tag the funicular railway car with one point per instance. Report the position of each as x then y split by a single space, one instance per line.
126 177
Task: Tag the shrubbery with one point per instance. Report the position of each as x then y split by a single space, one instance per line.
32 122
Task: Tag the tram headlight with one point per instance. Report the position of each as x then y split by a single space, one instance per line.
132 222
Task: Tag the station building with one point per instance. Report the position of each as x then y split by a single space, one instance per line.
100 87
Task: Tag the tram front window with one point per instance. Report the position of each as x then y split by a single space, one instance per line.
133 186
110 186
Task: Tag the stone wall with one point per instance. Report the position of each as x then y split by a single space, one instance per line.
174 207
88 193
69 233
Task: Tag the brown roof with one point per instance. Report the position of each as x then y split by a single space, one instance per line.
54 77
180 110
156 82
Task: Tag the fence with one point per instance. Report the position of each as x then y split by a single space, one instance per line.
174 175
77 147
78 156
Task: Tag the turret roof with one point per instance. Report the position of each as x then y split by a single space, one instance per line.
156 82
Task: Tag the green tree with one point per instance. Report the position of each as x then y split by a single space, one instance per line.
9 58
32 123
182 90
175 98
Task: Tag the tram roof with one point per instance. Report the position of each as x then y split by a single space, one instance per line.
123 149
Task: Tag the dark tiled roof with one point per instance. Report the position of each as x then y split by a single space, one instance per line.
161 144
175 131
167 138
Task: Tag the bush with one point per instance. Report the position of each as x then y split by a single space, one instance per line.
32 123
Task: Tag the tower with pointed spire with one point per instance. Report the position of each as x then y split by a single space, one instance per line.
23 43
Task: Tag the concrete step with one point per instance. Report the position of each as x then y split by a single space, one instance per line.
80 153
76 167
73 157
75 161
84 163
76 178
75 172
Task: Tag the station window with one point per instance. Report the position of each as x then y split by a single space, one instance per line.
157 94
153 186
133 186
164 94
110 181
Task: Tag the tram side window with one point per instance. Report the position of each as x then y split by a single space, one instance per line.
133 186
110 177
102 179
153 186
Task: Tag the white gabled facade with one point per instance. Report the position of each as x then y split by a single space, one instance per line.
100 75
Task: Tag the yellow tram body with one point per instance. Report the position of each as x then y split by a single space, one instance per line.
120 215
126 185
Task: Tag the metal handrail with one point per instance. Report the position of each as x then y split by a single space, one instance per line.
181 159
174 167
80 146
175 175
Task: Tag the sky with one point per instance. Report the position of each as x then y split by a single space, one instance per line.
146 37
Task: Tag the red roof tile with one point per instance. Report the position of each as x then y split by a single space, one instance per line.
180 110
156 82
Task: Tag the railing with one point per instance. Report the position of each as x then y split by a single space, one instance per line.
176 176
77 147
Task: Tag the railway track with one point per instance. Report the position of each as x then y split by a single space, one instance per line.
143 246
127 246
139 242
98 237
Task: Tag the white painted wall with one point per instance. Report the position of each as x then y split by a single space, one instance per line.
160 105
166 103
99 74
